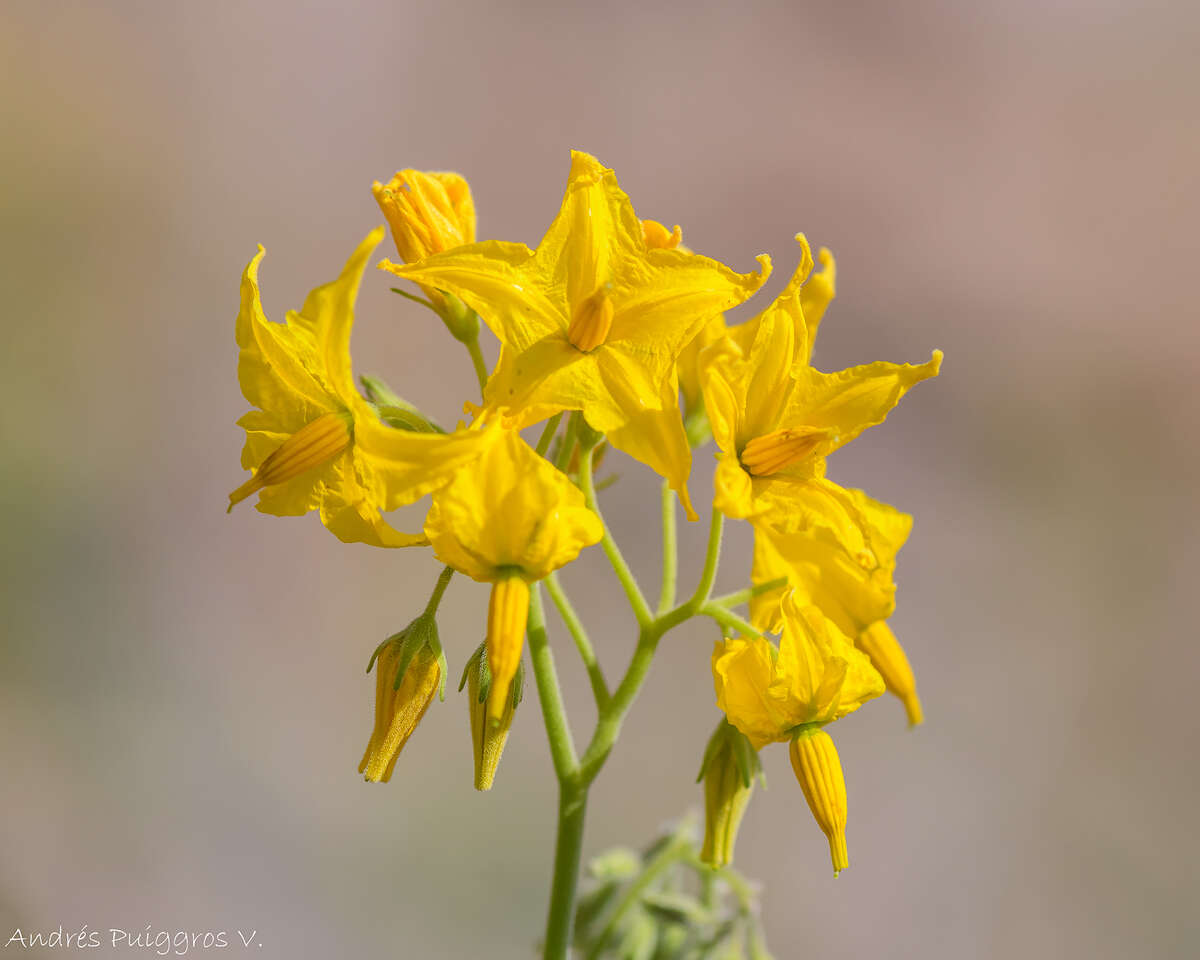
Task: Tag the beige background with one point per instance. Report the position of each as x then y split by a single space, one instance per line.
182 702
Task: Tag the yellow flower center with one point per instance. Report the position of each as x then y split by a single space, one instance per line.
772 452
312 445
508 610
592 322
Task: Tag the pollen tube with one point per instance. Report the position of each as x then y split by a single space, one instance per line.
508 611
817 767
772 452
592 322
887 656
312 445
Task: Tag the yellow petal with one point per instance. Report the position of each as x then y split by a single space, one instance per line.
815 297
852 400
513 509
328 317
500 281
657 439
278 365
820 665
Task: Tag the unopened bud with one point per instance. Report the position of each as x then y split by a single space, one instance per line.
408 672
729 768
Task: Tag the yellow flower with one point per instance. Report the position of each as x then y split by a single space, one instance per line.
315 443
509 520
847 570
816 676
428 212
398 707
775 418
594 320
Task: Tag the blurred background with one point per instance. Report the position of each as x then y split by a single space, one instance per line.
182 696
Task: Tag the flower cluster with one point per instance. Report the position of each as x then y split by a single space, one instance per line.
612 334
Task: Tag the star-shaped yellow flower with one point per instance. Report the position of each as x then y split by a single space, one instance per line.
314 443
775 417
594 320
772 696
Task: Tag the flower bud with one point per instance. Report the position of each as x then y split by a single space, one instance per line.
729 768
428 212
815 761
408 672
487 738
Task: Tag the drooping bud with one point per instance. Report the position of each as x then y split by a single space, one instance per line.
592 321
770 453
314 444
508 611
887 656
728 771
488 739
409 669
817 767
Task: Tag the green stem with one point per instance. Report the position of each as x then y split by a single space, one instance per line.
575 627
568 846
481 371
729 619
711 557
641 609
554 715
670 551
439 588
742 596
543 443
568 444
613 713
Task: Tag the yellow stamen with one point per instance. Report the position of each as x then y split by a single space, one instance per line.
817 767
508 610
313 444
398 710
772 452
887 656
592 322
